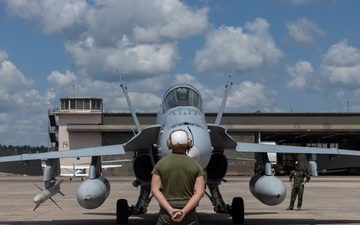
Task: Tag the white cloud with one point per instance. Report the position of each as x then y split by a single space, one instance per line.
23 111
304 31
171 19
137 37
187 78
11 78
55 17
138 60
3 56
302 76
238 48
58 79
249 96
341 64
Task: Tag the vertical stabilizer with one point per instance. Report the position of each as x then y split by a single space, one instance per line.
133 113
223 103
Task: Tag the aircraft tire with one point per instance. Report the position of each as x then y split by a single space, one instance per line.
237 210
122 211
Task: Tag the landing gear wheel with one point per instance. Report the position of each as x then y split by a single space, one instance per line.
237 210
122 211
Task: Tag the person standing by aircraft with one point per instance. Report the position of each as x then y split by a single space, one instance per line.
178 183
297 179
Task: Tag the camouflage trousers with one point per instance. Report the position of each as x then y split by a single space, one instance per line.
299 192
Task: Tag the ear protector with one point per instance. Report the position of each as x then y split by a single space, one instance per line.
179 138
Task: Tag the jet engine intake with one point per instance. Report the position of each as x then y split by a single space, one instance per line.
217 167
143 166
268 189
93 193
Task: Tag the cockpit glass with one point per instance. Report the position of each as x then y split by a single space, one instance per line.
182 96
182 93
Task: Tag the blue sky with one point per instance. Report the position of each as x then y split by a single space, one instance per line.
285 55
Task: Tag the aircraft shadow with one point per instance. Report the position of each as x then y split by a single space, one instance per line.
204 218
297 221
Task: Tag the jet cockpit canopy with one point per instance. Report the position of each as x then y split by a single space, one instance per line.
182 95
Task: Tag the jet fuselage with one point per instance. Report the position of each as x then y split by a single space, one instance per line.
182 109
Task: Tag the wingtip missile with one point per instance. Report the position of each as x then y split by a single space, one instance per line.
47 194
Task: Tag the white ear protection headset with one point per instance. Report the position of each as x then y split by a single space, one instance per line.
179 138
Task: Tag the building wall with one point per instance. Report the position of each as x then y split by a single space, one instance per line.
76 140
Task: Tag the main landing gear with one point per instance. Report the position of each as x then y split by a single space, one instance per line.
123 211
236 210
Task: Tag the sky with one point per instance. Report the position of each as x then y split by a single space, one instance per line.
282 55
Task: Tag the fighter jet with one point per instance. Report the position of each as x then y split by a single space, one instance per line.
181 108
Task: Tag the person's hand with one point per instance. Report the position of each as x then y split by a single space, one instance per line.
303 183
172 211
292 183
178 216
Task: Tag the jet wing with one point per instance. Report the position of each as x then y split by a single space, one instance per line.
83 152
31 163
144 139
254 147
219 138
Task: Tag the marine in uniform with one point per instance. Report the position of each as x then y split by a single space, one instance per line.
178 183
297 179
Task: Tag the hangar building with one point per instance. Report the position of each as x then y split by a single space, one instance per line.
81 122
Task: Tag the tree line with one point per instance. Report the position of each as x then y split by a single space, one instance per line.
17 150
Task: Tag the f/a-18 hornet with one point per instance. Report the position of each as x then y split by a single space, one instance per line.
181 108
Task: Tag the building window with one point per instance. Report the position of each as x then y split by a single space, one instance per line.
64 104
87 104
96 104
72 104
80 104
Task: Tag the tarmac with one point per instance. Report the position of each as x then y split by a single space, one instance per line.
327 200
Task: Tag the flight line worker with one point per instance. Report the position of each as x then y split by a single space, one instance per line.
178 183
297 179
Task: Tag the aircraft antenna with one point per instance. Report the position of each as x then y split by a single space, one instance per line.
223 103
133 113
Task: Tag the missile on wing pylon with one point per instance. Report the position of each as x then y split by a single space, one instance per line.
47 194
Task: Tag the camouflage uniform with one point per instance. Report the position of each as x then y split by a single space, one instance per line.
178 173
297 177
